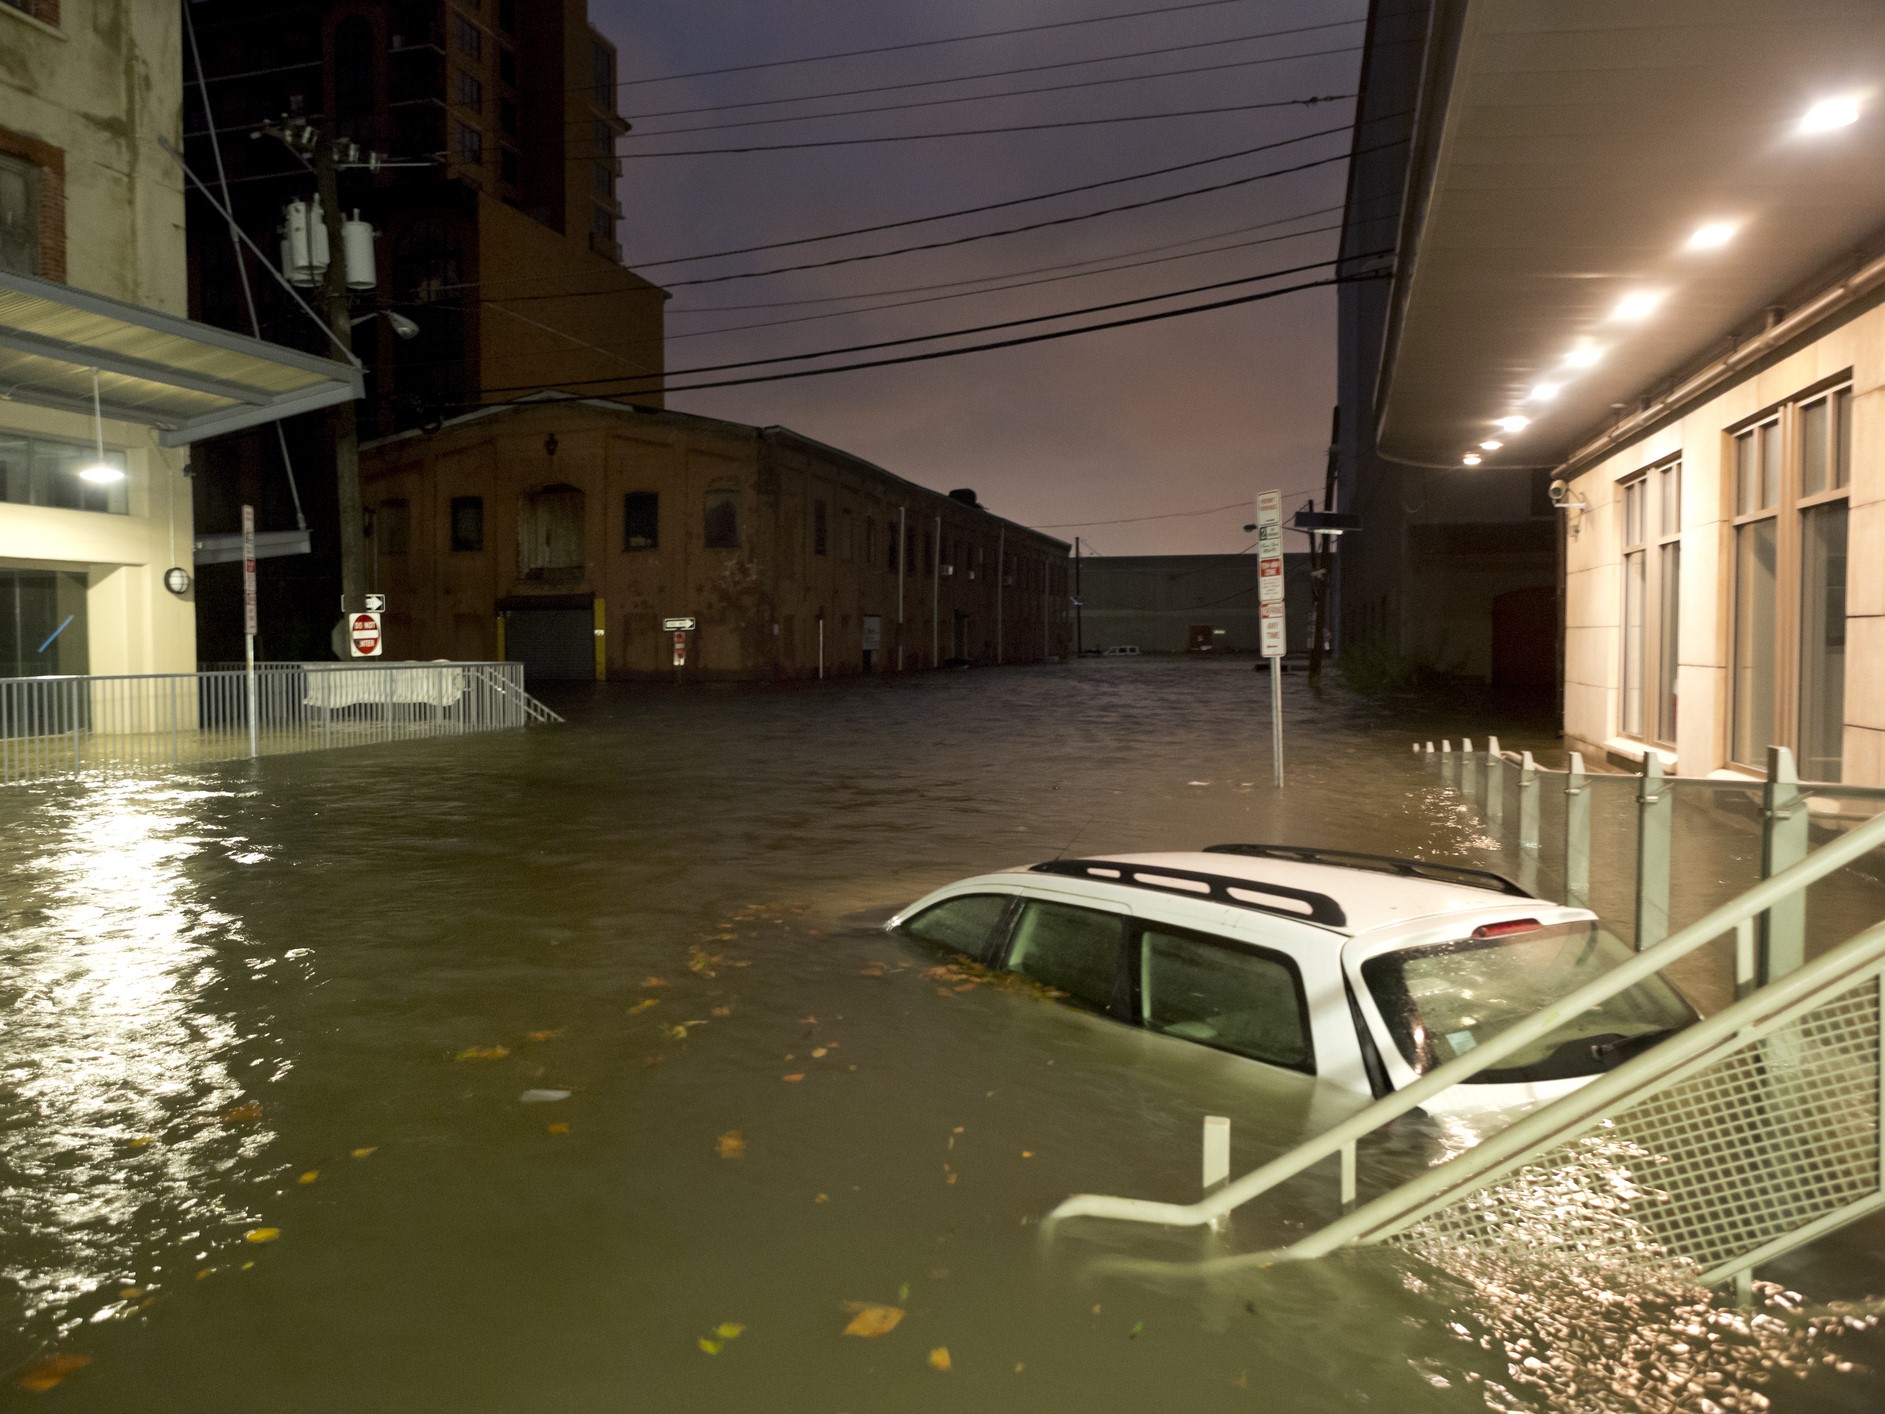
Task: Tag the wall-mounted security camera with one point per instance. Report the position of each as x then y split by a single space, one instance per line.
1561 496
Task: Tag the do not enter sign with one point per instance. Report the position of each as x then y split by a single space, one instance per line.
363 635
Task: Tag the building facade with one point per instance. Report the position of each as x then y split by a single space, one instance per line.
1688 336
499 269
567 534
88 199
1186 603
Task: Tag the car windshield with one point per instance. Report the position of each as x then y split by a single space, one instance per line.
1443 1000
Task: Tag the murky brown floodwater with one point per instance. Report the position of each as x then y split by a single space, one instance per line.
307 999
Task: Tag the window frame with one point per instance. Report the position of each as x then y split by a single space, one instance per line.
1789 510
1645 536
723 496
454 541
33 178
652 502
1118 1005
1136 966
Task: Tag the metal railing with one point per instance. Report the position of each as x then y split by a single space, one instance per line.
1782 1036
60 726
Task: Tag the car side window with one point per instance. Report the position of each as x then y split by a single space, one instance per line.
1245 1002
965 923
1074 949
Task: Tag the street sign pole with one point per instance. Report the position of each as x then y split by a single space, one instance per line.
1272 623
248 623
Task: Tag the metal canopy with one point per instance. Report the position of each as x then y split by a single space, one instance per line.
1577 146
188 380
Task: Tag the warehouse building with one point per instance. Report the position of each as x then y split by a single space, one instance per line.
568 534
1186 603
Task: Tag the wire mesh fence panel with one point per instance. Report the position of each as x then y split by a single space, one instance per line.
1770 1140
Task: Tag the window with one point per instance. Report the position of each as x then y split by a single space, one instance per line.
392 527
507 115
35 471
870 539
507 65
966 924
1652 576
892 539
845 543
602 223
507 165
470 92
467 523
550 533
19 217
641 520
47 10
1246 1002
602 178
1668 576
507 16
720 522
820 528
43 622
470 143
468 37
602 74
1791 472
1074 949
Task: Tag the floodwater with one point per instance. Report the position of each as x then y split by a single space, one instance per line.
270 1033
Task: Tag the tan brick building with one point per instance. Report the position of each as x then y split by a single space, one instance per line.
563 534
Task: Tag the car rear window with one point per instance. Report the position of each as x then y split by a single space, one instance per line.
1442 1000
965 923
1245 1002
1074 949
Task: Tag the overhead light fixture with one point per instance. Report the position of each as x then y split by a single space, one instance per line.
1637 305
1544 392
101 471
1583 356
1712 235
1830 114
1491 444
1472 459
1513 423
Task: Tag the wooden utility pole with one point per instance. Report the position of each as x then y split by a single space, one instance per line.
343 422
1079 606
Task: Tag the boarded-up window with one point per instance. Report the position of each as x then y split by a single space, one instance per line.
821 529
392 527
19 217
720 522
550 533
467 523
641 520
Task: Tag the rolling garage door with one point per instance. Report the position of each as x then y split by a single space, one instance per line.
554 640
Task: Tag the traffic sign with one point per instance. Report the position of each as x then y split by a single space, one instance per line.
680 648
248 571
1272 640
363 635
1272 624
376 603
1269 508
680 625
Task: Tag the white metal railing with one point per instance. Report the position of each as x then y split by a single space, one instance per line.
1737 916
59 726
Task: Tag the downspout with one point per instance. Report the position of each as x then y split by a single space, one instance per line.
935 598
1001 579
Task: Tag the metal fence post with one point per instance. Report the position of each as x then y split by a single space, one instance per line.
1447 777
1469 771
1783 842
1655 814
1495 786
1527 803
1576 832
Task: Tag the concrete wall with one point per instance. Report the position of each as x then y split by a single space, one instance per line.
1701 436
759 605
86 98
1154 601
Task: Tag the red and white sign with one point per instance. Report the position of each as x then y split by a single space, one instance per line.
363 635
248 570
680 649
1274 641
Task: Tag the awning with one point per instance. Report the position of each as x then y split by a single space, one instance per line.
187 379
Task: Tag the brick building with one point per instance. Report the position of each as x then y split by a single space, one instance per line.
564 533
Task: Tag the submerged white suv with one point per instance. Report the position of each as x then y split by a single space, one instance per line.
1363 970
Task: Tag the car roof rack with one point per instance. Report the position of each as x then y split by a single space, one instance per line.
1381 863
1218 888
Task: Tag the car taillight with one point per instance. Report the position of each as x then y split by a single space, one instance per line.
1507 928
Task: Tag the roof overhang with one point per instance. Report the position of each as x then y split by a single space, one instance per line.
188 380
1575 146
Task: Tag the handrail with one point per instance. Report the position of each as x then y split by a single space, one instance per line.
1841 789
1756 901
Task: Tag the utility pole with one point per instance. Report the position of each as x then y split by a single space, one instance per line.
1322 551
1079 605
343 421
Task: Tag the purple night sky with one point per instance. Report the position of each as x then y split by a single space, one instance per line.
1171 416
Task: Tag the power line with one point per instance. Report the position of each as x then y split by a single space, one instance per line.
1135 520
976 132
971 329
980 97
928 43
997 289
949 353
1021 69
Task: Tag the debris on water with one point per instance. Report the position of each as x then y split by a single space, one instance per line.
558 1128
939 1359
731 1145
545 1035
311 1176
793 1078
643 1005
261 1234
716 1342
244 1114
471 1053
49 1370
542 1097
366 1151
870 1319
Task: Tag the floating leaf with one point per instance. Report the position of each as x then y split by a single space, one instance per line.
731 1145
142 1140
721 1011
261 1234
366 1151
939 1359
244 1114
542 1097
205 1272
870 1320
545 1035
1027 1153
674 1033
643 1005
654 982
49 1370
727 1330
794 1078
820 1052
477 1053
309 1177
822 1198
557 1128
712 1347
1137 1326
903 1292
